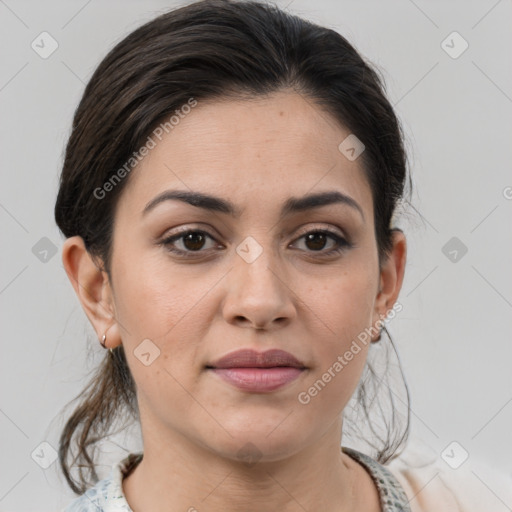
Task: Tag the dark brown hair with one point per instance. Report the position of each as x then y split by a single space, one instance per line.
206 50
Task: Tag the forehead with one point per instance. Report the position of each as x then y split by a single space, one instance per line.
260 151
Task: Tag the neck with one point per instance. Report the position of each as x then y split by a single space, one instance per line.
188 476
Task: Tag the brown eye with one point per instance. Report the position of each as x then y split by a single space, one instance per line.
193 241
188 242
317 240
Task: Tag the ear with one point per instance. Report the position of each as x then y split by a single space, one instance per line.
391 277
92 286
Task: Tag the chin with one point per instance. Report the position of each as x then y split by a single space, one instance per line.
267 444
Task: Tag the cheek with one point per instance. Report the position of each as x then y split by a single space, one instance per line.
345 305
153 299
170 309
345 308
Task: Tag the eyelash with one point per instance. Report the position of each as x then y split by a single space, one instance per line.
343 244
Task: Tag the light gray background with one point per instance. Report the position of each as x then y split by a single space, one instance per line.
454 332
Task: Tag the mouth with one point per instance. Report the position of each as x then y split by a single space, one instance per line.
258 372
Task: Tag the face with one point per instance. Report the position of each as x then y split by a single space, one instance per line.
192 284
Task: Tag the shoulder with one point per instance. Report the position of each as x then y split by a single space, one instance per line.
432 484
107 495
391 493
92 500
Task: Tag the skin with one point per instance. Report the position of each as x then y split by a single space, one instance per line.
256 154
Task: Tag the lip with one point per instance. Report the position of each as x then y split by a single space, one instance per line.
250 370
250 358
258 380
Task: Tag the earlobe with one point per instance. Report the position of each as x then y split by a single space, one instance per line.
91 284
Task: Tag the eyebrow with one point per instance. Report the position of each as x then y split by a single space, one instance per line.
217 204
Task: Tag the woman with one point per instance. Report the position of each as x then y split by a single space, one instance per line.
228 197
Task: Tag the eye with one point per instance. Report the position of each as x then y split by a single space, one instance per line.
191 241
195 240
316 240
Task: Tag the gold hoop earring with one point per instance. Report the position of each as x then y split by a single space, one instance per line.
103 343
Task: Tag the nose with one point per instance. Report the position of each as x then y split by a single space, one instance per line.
258 294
